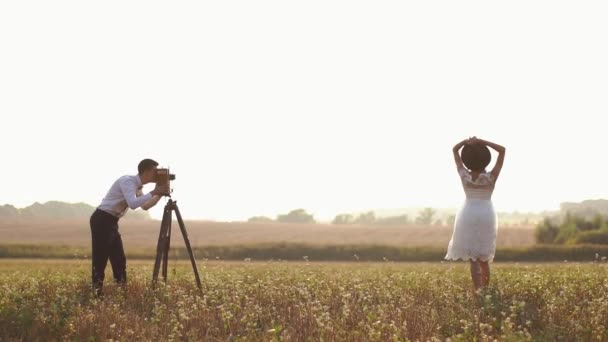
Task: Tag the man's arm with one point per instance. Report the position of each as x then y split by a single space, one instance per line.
129 191
151 202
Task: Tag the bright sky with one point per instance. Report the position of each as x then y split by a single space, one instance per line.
261 107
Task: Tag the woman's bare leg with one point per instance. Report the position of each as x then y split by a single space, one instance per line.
485 273
476 274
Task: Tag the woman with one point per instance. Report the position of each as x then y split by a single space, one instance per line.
474 236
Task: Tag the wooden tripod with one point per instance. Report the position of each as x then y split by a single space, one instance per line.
164 240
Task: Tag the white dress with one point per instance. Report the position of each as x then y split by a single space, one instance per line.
474 236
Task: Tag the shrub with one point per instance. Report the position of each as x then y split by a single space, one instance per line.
573 230
546 232
599 237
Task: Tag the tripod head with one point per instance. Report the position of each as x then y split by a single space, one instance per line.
171 204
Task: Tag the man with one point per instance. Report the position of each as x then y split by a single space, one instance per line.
125 193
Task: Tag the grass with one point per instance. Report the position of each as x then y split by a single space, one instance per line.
291 251
50 300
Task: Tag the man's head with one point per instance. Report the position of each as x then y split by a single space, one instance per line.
147 170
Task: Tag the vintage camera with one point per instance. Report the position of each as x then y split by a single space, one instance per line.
164 177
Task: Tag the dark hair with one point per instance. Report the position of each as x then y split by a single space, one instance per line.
476 157
145 165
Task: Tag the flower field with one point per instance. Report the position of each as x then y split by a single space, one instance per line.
48 300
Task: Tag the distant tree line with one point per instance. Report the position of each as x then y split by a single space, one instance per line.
573 229
294 216
426 216
58 210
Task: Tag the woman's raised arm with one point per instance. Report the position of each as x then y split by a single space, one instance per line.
501 156
456 151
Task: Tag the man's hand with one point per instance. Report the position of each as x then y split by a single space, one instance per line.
161 190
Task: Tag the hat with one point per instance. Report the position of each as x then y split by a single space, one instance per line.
476 156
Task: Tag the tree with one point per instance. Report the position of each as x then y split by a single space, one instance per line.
343 219
296 216
546 232
395 220
8 211
260 219
426 216
366 218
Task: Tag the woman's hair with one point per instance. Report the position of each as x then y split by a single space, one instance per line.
476 156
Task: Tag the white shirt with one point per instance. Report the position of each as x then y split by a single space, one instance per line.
125 193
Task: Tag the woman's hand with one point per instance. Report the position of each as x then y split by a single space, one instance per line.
458 146
472 140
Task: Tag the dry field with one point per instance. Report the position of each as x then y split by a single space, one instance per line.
145 234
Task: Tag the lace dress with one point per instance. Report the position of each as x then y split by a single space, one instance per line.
474 236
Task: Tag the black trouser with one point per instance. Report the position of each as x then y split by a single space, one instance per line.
107 244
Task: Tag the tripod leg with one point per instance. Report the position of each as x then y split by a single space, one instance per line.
182 226
161 244
167 245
